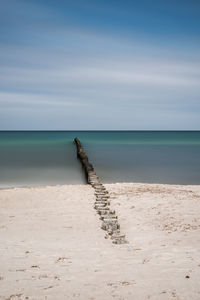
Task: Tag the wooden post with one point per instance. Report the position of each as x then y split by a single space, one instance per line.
102 203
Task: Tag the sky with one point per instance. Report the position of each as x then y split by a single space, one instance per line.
99 65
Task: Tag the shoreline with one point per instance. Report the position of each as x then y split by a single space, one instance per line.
106 184
52 246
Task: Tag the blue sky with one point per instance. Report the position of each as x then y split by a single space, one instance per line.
99 65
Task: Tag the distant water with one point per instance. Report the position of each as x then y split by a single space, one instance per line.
49 157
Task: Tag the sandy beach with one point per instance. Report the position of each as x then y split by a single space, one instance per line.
52 246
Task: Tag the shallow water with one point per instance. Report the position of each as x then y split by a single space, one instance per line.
49 157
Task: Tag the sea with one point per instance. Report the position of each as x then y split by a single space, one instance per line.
32 158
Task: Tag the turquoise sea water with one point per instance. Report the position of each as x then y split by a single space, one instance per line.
49 157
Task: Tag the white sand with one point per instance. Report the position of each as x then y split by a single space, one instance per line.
52 246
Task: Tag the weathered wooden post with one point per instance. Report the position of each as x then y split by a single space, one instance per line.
102 203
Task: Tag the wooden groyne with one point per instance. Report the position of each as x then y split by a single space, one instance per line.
102 203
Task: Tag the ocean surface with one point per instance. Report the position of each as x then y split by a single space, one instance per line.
29 158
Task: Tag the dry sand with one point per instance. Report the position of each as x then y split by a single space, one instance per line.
52 246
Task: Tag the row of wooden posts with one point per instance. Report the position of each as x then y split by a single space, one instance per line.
102 203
